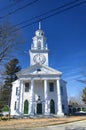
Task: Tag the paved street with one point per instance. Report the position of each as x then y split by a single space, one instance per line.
80 125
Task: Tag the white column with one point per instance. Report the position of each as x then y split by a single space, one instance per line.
46 97
31 109
59 102
21 98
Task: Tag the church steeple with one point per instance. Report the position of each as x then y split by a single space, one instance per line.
39 46
39 40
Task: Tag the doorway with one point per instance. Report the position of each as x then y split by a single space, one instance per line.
26 107
52 107
39 108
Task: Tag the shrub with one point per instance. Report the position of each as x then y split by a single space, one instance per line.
84 109
6 109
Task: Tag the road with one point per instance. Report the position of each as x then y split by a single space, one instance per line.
80 125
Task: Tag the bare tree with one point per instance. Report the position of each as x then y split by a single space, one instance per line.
73 101
10 39
11 43
84 95
83 80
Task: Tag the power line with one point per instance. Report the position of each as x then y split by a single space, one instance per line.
50 15
50 11
12 12
45 15
8 6
73 6
18 9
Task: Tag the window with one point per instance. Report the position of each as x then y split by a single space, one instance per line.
63 106
51 87
38 70
16 90
15 105
26 87
39 45
61 90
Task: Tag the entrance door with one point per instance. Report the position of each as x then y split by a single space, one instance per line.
39 108
52 107
26 107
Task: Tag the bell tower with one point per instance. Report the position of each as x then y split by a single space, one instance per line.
39 50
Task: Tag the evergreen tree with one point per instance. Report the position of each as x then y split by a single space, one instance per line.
84 95
11 68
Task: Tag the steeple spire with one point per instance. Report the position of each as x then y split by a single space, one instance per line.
39 25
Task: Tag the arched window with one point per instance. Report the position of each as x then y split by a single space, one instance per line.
26 106
52 107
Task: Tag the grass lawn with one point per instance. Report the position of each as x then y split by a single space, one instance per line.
36 122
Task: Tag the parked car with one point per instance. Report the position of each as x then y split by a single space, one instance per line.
79 113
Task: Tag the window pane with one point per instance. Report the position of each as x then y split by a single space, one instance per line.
26 87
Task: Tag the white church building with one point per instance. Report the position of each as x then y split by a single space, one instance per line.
39 89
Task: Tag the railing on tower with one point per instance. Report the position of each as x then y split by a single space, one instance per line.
37 48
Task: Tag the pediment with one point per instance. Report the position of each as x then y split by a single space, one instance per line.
39 69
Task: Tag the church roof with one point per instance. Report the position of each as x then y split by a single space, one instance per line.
39 69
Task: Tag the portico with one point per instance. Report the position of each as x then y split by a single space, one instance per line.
40 99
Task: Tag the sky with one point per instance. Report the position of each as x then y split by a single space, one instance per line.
65 33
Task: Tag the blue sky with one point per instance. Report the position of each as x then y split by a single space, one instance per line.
65 32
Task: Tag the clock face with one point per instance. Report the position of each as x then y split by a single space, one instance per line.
39 58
